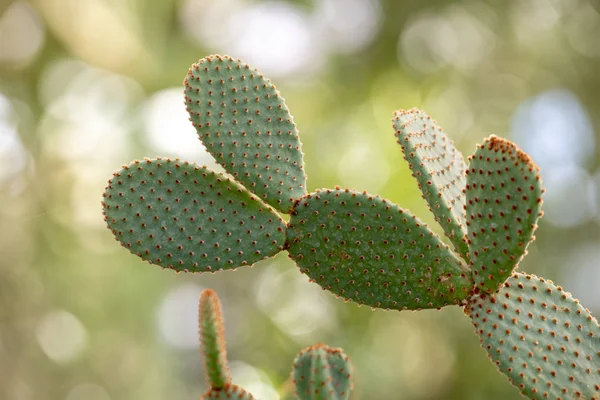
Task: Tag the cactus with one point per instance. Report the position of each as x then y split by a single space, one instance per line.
244 123
439 170
322 373
504 201
188 218
355 245
212 340
366 249
540 337
319 372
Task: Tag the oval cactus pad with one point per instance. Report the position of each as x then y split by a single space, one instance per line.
188 218
542 339
245 124
368 250
504 200
439 169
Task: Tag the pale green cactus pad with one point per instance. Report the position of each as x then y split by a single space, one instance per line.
229 392
212 340
439 169
504 202
368 250
245 124
188 218
546 343
322 373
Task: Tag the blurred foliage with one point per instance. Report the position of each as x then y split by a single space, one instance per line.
86 86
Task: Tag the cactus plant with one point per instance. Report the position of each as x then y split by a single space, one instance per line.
357 245
322 373
319 372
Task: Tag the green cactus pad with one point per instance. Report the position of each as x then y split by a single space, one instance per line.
368 250
322 373
503 205
245 124
439 169
540 337
229 392
213 341
188 218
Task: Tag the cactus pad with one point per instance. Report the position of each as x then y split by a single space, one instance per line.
188 218
322 373
213 341
439 169
229 392
368 250
245 124
540 337
503 205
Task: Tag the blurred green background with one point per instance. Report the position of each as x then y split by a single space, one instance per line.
88 85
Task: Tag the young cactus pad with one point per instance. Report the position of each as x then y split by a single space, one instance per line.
540 337
212 340
245 124
504 199
371 251
439 169
188 218
322 373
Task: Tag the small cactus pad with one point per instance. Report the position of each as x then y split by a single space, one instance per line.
439 169
213 341
503 205
245 124
368 250
322 373
540 337
229 392
188 218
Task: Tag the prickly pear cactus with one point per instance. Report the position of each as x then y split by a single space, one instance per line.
356 245
540 337
188 218
322 373
504 200
319 372
439 169
366 249
229 392
245 124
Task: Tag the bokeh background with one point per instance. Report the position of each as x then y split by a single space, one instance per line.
88 85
